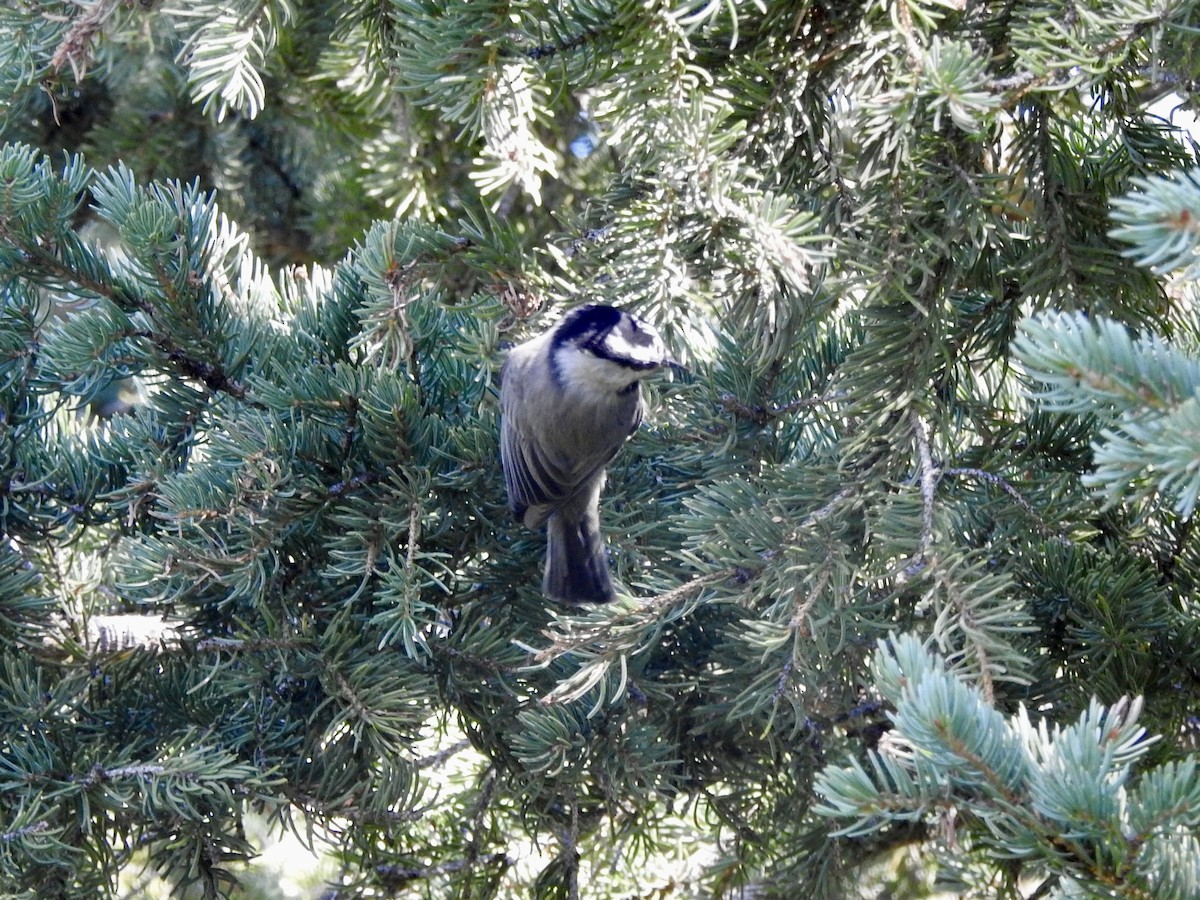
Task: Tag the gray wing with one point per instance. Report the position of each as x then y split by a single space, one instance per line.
538 480
530 481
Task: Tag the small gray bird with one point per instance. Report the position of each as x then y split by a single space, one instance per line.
569 399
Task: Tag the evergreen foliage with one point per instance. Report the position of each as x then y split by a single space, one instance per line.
909 554
1058 798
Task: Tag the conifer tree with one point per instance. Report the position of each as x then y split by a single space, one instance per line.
908 556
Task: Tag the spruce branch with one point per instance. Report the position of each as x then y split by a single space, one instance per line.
569 853
806 526
439 759
1005 485
1071 58
227 51
75 49
211 375
841 213
545 51
1160 218
343 809
40 263
352 484
109 634
1046 796
64 261
20 834
1144 388
400 877
927 475
905 25
803 607
763 415
612 635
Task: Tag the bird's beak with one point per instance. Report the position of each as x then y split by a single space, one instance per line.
676 366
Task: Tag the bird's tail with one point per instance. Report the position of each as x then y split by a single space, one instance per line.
576 565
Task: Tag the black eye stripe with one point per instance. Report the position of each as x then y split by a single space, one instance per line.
607 333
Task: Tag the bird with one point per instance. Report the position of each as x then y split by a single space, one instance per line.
569 399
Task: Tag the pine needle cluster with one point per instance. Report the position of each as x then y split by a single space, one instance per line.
908 555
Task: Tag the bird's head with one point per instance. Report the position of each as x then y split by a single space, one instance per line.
608 345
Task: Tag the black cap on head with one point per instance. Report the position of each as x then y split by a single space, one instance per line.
585 323
609 333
